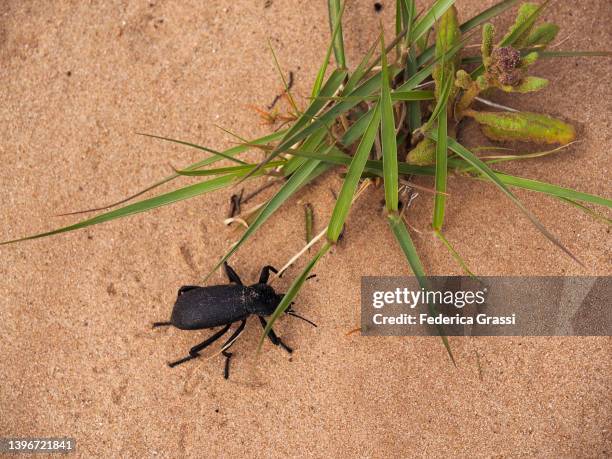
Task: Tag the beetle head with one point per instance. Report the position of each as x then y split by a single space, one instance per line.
266 300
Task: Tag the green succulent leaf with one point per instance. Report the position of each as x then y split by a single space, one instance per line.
471 24
524 127
528 84
423 154
542 35
519 32
488 35
529 59
448 36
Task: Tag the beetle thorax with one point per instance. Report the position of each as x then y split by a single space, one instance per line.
265 302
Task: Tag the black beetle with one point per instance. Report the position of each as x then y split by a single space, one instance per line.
198 308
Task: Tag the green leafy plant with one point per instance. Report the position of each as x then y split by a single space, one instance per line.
394 116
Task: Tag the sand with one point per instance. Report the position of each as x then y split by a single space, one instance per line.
78 357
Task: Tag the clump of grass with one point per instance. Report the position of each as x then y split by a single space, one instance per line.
405 103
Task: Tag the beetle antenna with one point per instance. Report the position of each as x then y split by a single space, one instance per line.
291 313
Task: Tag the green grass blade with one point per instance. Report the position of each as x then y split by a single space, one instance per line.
409 14
405 241
388 138
414 107
441 170
511 38
454 253
282 77
360 71
357 129
375 167
429 18
426 71
440 108
335 13
329 89
399 21
487 15
292 292
482 168
310 144
321 74
414 95
351 180
205 162
553 54
416 79
586 210
193 145
471 24
226 170
372 166
362 91
552 190
143 206
395 96
446 81
307 123
298 179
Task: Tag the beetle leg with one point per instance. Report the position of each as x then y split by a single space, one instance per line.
160 324
265 274
231 274
229 343
228 356
194 351
186 288
273 337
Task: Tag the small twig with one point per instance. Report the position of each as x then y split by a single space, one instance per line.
388 49
298 255
493 104
562 41
293 259
235 201
422 188
260 189
309 216
401 119
423 85
411 197
279 96
243 217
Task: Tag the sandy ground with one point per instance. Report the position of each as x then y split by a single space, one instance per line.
78 357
